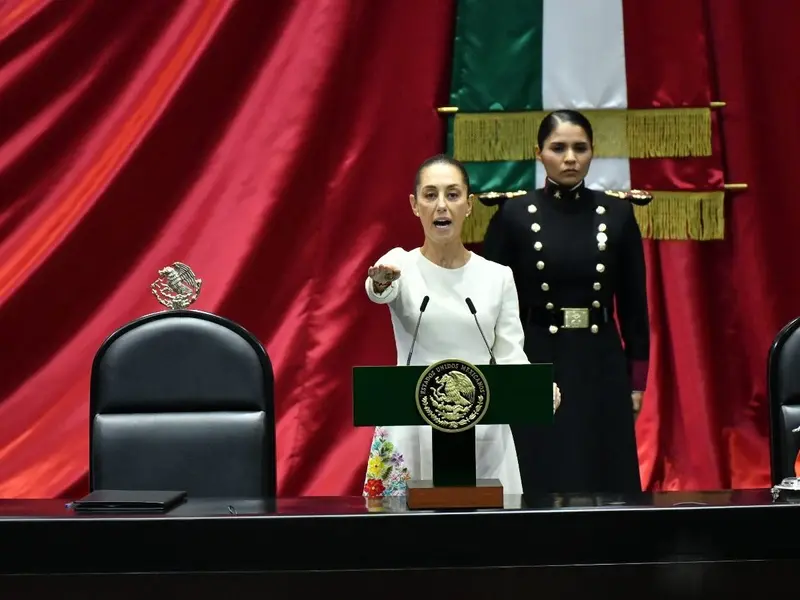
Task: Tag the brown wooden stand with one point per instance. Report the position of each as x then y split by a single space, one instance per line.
486 493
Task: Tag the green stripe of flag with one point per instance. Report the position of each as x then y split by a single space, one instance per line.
497 66
497 55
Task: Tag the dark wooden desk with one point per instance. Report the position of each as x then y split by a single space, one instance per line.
669 545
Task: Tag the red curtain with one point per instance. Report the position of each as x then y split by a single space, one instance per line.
716 306
271 146
668 64
753 288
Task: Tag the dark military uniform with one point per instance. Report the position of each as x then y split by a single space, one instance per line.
579 268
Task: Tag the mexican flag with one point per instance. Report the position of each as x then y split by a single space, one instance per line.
638 71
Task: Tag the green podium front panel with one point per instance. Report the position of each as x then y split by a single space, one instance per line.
518 395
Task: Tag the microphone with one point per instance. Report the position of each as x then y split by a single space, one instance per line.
422 308
471 306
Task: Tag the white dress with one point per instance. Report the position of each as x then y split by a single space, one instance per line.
447 330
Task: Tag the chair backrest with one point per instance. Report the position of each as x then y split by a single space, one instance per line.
783 391
183 400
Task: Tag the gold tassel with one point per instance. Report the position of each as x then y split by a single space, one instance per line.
669 132
696 216
475 225
650 133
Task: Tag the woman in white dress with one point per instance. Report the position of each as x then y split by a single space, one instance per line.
445 271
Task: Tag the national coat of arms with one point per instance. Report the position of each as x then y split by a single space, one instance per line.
176 286
452 396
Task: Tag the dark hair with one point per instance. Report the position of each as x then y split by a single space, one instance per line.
441 159
551 121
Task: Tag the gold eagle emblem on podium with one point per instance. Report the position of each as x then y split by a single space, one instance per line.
452 396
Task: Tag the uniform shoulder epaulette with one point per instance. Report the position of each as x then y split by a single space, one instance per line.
638 197
493 198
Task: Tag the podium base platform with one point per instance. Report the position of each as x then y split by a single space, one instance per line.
486 493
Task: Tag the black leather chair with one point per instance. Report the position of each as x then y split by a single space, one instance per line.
783 391
183 400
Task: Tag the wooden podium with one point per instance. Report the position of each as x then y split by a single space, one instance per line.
397 395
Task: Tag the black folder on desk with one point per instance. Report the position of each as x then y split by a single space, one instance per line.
129 501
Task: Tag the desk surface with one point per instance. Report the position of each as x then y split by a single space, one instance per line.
303 534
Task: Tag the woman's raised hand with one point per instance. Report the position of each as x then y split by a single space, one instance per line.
383 275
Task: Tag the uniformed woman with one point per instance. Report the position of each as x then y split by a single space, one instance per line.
579 267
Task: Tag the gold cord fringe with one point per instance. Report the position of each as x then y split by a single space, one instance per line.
475 226
698 216
651 133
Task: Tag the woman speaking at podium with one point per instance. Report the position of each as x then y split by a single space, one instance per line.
579 265
440 286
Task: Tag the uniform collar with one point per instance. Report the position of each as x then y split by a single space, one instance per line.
562 192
